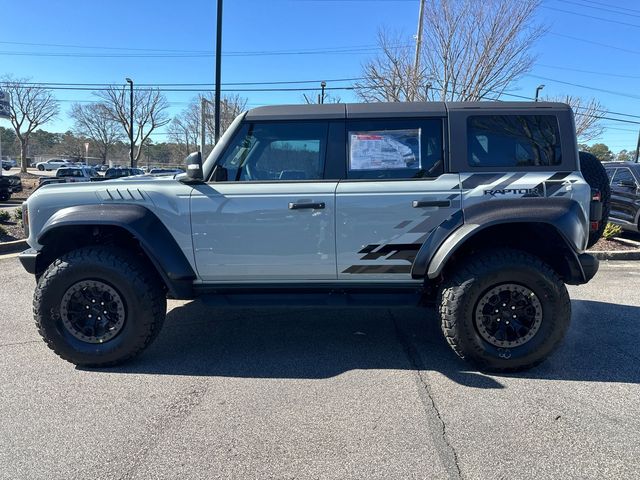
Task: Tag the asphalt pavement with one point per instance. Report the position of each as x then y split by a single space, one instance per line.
312 393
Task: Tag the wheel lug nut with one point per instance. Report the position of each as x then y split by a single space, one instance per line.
93 301
90 315
105 312
504 304
515 316
87 307
513 307
497 311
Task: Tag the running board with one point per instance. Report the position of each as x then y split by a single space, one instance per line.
313 296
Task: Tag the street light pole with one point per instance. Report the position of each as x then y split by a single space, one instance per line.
323 85
216 131
130 82
540 87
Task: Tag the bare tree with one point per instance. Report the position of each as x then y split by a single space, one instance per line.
588 115
471 50
184 129
391 77
94 122
230 107
149 107
32 105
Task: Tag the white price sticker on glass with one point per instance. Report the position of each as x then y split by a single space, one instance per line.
384 149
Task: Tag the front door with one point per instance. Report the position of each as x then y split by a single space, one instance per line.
395 193
273 219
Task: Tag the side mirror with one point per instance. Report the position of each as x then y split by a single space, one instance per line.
219 174
194 166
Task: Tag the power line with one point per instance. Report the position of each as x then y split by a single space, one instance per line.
599 8
635 25
593 72
611 6
596 89
600 44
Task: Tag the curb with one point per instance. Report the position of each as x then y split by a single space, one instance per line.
616 255
13 247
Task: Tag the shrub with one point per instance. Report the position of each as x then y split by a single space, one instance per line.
17 216
3 231
611 231
4 216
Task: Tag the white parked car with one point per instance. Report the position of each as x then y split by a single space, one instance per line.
53 164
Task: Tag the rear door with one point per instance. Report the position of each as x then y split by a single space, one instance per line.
395 192
273 219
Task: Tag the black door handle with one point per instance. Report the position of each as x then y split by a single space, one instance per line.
300 206
434 203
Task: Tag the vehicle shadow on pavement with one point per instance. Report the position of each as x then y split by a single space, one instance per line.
322 343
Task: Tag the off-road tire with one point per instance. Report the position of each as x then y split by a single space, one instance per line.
596 176
476 275
137 284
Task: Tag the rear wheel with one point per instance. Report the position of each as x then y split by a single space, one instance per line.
596 176
99 306
504 310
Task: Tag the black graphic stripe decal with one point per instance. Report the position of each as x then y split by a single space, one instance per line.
378 269
392 248
478 179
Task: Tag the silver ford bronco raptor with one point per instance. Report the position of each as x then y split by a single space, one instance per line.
485 208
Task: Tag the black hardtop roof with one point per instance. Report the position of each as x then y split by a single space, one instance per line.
386 110
632 165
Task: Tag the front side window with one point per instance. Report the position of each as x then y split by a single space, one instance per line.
624 177
507 141
277 151
394 149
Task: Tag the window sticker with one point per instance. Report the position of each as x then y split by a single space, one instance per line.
384 149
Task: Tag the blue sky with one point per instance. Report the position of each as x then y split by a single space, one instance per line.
184 34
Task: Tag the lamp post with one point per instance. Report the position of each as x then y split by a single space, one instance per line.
130 82
216 131
540 87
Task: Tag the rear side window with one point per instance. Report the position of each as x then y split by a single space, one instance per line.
394 149
508 141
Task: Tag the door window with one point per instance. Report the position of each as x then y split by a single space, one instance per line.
624 178
508 141
277 151
395 149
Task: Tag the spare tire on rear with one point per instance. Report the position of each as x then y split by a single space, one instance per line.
596 176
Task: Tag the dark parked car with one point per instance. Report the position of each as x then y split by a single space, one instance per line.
9 184
625 194
122 172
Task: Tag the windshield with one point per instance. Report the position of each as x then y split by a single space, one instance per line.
209 163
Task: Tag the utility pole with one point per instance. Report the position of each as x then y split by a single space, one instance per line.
416 60
216 134
130 82
638 148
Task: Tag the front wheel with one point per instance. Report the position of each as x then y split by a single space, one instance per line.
504 310
99 306
41 168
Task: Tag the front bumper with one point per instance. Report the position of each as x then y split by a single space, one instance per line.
29 260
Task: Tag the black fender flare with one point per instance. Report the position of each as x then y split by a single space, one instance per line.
565 215
155 239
